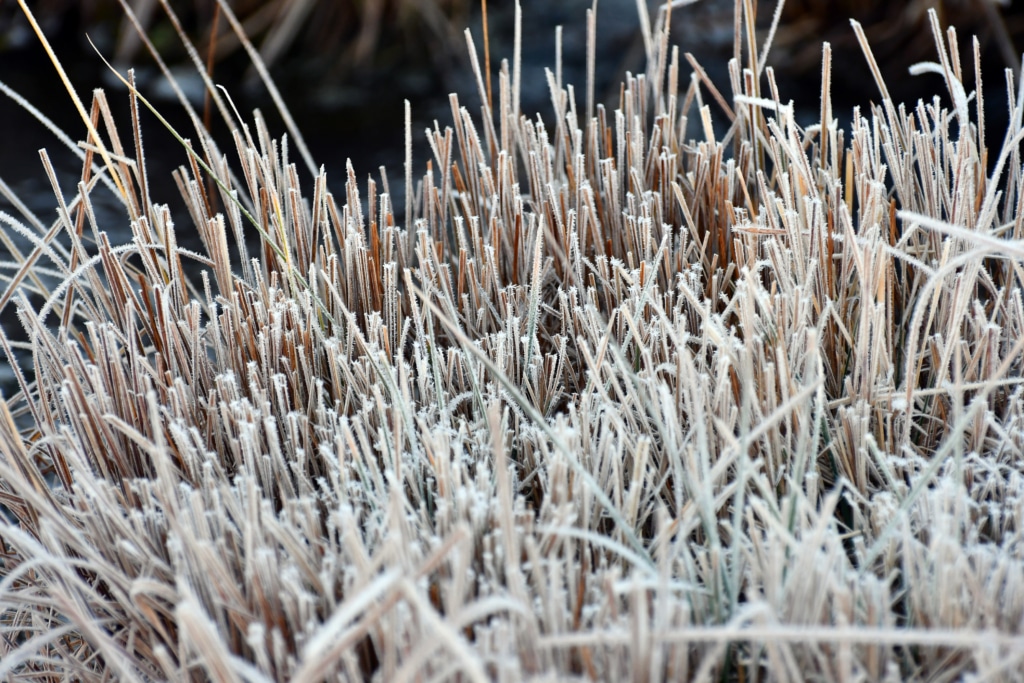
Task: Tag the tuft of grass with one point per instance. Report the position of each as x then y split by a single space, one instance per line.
608 403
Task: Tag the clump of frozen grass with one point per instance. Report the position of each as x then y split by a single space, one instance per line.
610 404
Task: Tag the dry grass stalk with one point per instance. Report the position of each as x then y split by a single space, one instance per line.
609 404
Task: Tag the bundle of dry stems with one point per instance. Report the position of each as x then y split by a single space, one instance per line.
610 403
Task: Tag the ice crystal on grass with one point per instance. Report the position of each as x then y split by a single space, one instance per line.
609 403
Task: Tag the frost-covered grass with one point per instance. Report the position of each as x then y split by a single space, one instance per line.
608 404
